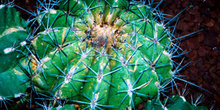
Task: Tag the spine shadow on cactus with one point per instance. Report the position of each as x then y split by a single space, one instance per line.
100 54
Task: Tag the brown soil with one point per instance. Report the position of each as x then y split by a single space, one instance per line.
204 46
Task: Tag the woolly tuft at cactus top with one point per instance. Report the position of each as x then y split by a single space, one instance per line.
91 54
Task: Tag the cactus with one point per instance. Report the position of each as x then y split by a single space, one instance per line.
12 34
175 102
98 54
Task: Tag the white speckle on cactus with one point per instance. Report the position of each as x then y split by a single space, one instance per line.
23 43
96 96
102 65
146 20
72 70
130 88
45 31
1 98
129 107
166 53
100 77
123 61
1 6
108 17
160 25
68 77
183 98
59 107
70 74
147 39
17 72
39 80
18 95
84 55
94 103
9 50
45 59
172 73
157 84
11 30
52 11
8 31
165 108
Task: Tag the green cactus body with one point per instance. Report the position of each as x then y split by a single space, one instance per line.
175 102
100 54
101 57
12 34
65 107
